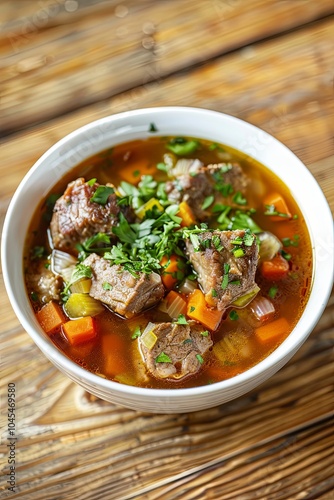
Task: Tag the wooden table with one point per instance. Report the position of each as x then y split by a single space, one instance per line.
67 62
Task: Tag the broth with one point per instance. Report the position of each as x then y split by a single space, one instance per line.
114 352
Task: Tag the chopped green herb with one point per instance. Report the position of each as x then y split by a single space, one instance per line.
217 243
214 146
181 146
163 358
34 296
187 341
239 199
208 202
235 282
205 333
181 320
162 166
136 333
192 308
238 252
234 315
38 252
214 293
136 173
287 242
106 286
200 359
102 194
152 128
91 182
79 272
225 277
273 291
286 255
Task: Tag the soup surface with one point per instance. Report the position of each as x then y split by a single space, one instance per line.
168 262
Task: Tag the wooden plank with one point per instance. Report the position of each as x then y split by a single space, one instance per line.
51 55
257 84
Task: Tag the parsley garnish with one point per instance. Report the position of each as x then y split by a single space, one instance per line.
234 315
181 320
199 358
205 333
225 277
273 291
152 128
163 358
106 286
208 202
79 272
287 242
102 194
181 146
136 333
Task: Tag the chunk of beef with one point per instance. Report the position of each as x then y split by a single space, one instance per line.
76 217
221 180
183 344
43 282
218 256
123 293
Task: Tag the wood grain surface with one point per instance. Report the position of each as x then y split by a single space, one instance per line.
67 62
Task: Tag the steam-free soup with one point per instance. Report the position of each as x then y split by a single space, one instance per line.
168 262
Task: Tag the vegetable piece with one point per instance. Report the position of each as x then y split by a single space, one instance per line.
82 304
148 337
270 245
51 317
198 310
102 194
175 304
186 214
172 271
245 299
262 308
181 146
272 331
231 348
153 202
62 263
275 269
80 330
113 354
188 286
276 207
81 286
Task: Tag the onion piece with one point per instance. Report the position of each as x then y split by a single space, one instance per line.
186 166
148 337
270 245
62 263
262 308
173 305
188 286
231 348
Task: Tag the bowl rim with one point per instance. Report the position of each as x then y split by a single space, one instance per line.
281 354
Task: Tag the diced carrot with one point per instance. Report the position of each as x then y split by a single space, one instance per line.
186 214
113 354
277 200
172 270
275 269
272 332
80 330
133 171
198 310
51 317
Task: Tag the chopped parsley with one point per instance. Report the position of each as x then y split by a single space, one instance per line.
225 276
136 333
152 127
181 146
106 286
273 291
102 194
205 333
234 315
181 320
79 272
214 293
287 242
163 358
200 359
208 202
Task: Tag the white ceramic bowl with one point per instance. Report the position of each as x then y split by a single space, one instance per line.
200 123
